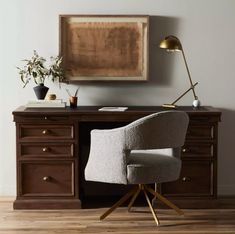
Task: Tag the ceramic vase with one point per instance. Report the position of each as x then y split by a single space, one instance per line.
41 91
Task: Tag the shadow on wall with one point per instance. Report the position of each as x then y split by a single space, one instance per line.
226 159
161 65
160 69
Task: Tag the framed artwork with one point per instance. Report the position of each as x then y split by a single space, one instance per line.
104 48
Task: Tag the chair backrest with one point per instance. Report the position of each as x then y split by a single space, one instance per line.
110 149
166 129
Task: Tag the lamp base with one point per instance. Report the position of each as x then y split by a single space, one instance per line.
196 103
169 106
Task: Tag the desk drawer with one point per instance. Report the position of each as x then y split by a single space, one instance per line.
46 150
195 180
47 178
197 150
202 132
46 132
43 119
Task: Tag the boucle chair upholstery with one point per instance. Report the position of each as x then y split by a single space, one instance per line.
143 152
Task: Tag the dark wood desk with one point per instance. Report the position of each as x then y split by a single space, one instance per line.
52 145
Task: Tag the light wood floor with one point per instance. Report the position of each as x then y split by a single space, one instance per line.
121 222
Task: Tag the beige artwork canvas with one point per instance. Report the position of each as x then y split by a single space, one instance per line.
104 48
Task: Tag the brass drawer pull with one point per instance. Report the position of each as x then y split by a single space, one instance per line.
184 150
45 149
45 132
186 179
45 118
46 178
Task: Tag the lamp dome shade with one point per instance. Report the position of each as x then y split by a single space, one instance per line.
171 43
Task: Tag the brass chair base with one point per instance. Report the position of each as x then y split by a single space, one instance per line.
134 193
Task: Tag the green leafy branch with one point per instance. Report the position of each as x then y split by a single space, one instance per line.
36 70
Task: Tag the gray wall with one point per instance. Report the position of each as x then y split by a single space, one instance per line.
205 27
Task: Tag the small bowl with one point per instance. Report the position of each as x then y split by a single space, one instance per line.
51 96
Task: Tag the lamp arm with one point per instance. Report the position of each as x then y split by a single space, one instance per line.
189 76
192 87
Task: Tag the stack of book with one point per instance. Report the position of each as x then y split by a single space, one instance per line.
58 103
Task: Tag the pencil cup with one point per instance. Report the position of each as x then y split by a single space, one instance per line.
73 102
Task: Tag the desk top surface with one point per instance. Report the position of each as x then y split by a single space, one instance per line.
89 110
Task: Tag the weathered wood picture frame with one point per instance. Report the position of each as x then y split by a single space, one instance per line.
104 47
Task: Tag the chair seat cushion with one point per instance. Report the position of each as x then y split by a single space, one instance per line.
150 166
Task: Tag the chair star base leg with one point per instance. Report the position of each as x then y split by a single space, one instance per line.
164 200
133 199
134 194
119 203
151 208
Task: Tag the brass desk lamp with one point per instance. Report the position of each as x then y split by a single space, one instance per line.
172 44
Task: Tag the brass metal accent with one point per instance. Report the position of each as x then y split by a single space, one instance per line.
172 44
191 88
172 105
133 199
186 179
189 75
134 193
45 149
46 178
168 106
164 200
45 132
151 208
117 204
45 118
184 150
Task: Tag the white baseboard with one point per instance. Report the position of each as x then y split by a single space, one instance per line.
7 198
